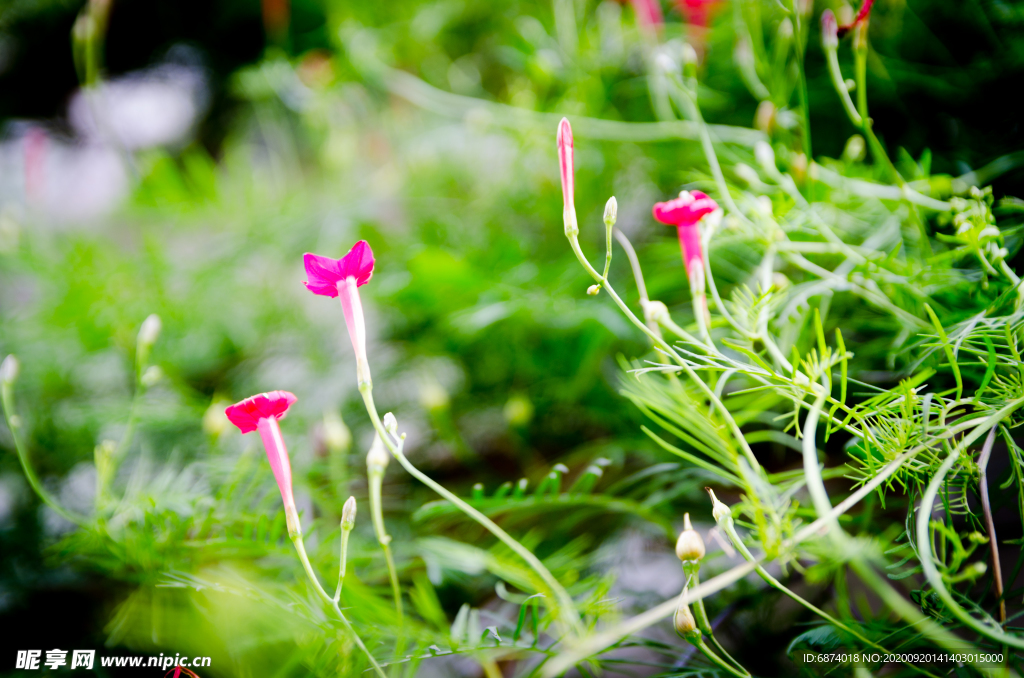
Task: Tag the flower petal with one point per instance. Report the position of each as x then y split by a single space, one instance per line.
321 270
247 413
686 210
357 263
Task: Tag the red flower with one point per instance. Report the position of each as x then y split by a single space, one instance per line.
325 274
697 12
862 17
261 413
685 212
246 414
331 277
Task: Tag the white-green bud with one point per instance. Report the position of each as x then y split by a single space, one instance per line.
719 510
9 370
377 458
391 424
685 624
690 545
593 290
611 212
150 330
348 514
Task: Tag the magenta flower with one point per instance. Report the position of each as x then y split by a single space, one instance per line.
567 167
862 17
685 212
261 413
697 12
342 278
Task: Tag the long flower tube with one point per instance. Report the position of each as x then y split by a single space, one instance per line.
343 278
261 413
325 278
686 213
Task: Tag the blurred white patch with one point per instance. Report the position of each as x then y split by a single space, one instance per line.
84 176
78 491
157 106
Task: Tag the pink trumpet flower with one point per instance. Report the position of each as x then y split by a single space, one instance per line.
862 17
567 167
261 413
342 278
685 212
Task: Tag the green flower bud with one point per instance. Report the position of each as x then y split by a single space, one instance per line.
611 211
348 514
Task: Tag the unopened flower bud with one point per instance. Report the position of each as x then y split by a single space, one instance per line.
150 330
611 211
719 510
685 624
690 59
593 290
854 149
348 514
764 117
567 167
9 370
377 458
689 546
786 30
829 30
390 424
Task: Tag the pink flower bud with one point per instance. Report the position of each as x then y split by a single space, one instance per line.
829 30
685 212
342 277
261 413
567 168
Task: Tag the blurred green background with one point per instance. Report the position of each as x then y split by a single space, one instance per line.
300 136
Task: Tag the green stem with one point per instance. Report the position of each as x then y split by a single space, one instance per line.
710 654
376 478
700 615
564 600
663 345
924 542
344 562
14 424
300 548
